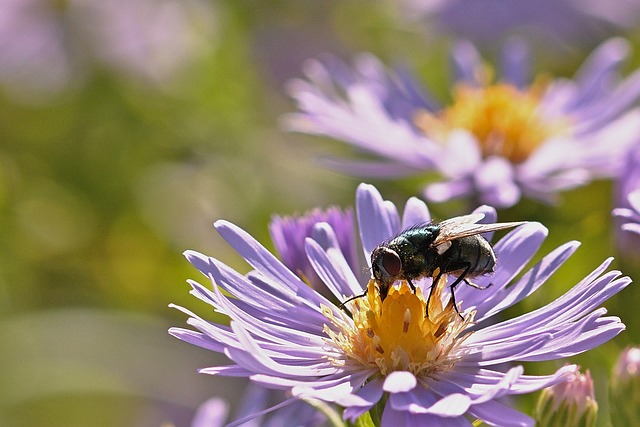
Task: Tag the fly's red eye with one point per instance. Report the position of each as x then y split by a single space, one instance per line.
391 263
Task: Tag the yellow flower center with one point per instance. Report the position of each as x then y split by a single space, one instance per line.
395 334
506 121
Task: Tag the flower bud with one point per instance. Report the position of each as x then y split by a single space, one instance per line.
568 404
624 393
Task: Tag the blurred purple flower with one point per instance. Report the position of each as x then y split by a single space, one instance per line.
624 388
559 21
47 45
628 365
289 234
628 201
495 141
211 413
214 412
435 369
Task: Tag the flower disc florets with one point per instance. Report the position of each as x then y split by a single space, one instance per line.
397 335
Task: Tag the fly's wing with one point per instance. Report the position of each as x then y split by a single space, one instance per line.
464 226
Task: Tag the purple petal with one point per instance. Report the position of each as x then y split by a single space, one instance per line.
342 390
497 414
466 62
399 381
211 413
515 63
250 417
529 283
227 371
262 260
377 219
415 212
333 270
493 353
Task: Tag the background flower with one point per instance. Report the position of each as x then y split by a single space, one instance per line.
285 335
48 46
495 141
289 234
627 212
554 24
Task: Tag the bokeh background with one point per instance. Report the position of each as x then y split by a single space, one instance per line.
128 126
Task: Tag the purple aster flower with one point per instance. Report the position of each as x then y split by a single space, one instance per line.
289 234
628 199
555 21
417 370
495 141
571 403
624 388
214 411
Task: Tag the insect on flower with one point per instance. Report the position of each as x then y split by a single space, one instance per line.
454 246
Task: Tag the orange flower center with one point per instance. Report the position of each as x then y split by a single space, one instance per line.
395 334
506 121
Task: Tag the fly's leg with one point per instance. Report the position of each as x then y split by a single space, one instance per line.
362 295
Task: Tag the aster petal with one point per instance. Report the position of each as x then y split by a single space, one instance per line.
303 383
452 405
448 190
392 417
415 211
461 156
634 228
495 413
615 103
250 417
624 213
594 76
219 333
494 180
266 298
333 269
370 393
378 218
496 352
227 371
490 217
415 400
340 392
266 263
478 380
211 413
466 63
581 299
197 339
515 63
634 200
505 297
579 337
267 293
254 358
399 381
281 342
475 393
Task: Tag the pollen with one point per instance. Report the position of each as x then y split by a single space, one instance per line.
396 334
505 120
